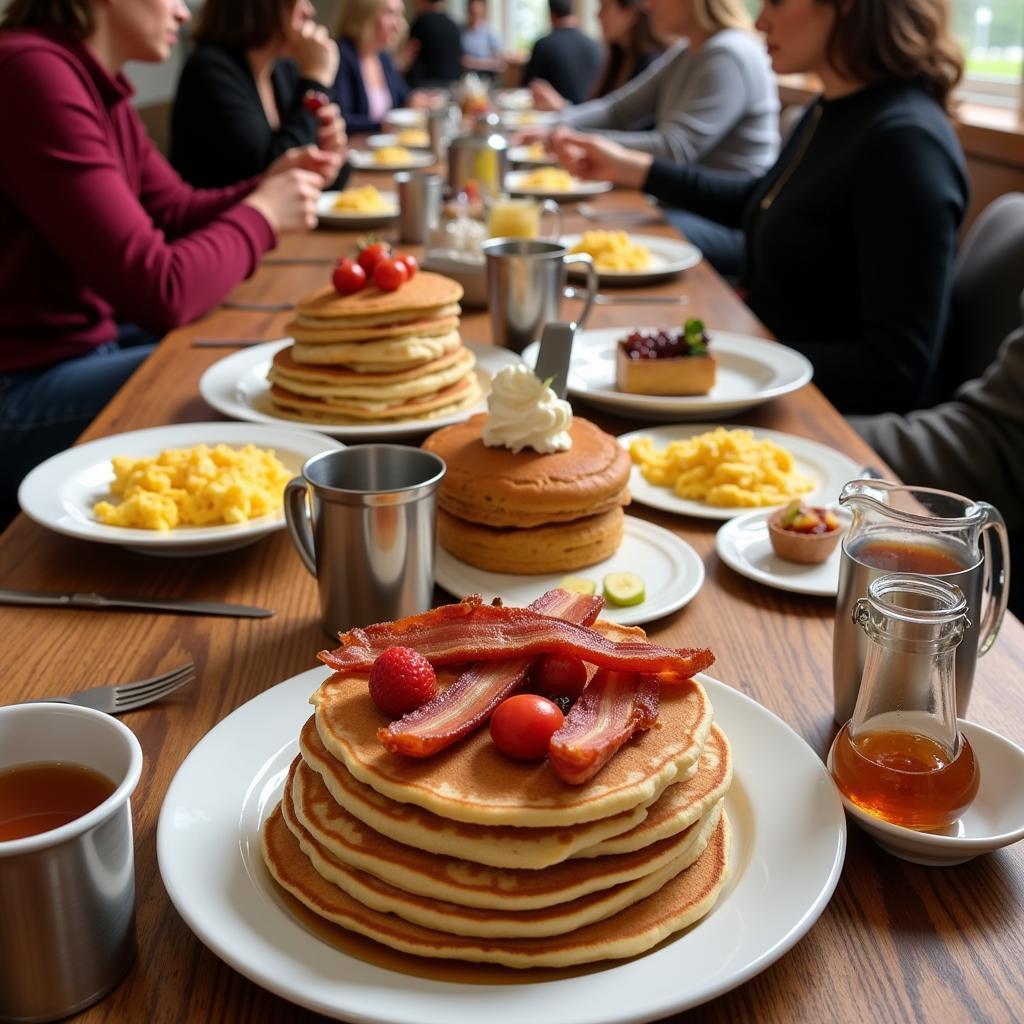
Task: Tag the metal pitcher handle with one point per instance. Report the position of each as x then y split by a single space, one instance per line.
296 514
581 257
997 577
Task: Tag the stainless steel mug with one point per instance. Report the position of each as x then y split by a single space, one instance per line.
525 281
419 205
67 896
363 520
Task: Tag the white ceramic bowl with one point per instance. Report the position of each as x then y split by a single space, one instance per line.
995 819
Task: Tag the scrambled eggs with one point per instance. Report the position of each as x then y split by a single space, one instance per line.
388 156
537 150
727 468
612 250
415 137
549 179
197 486
360 200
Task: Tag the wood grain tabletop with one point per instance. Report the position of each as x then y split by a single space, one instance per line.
897 942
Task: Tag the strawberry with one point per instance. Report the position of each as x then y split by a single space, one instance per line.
401 680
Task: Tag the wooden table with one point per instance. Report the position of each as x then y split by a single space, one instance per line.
896 943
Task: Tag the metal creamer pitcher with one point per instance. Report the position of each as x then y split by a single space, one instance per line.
930 533
480 156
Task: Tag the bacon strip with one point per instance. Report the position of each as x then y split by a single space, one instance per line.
469 701
473 631
612 708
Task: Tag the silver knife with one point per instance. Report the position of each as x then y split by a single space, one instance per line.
554 355
167 604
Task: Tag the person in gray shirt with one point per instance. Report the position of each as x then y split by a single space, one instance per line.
973 445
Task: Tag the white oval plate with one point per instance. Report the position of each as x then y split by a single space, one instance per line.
365 160
750 371
582 190
515 119
671 570
830 468
744 545
669 256
355 220
995 819
380 141
514 99
789 840
61 493
405 117
237 387
522 155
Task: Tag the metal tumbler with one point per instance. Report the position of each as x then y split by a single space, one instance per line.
419 205
363 520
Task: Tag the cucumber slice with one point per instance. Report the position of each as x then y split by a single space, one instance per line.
623 589
578 585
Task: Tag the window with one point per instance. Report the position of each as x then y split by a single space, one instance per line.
991 33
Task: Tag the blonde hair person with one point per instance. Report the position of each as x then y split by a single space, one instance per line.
712 15
356 20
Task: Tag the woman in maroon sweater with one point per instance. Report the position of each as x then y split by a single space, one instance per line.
96 229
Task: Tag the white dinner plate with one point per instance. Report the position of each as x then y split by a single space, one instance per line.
671 570
828 468
743 544
366 160
522 155
669 256
515 119
789 839
61 493
237 387
389 139
750 371
405 117
355 220
581 190
514 99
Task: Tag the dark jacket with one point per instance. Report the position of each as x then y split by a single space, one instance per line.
439 61
350 89
569 60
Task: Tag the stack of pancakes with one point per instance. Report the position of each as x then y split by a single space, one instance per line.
376 356
524 512
471 856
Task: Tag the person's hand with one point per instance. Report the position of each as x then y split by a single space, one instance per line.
527 136
546 96
592 157
406 54
425 99
287 200
315 52
324 163
331 136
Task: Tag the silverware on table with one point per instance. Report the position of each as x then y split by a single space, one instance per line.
229 342
116 700
258 307
627 299
154 604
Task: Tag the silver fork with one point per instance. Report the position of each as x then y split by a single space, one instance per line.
115 700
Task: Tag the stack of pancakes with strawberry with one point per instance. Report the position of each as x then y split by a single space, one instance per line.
460 852
376 356
522 510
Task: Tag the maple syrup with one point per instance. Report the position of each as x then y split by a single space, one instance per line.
904 777
43 795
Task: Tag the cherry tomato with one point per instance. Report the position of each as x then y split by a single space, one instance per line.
411 263
348 277
314 99
390 275
372 254
522 726
559 675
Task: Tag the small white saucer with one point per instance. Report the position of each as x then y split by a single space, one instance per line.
994 820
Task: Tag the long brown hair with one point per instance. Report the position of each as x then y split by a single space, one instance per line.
908 39
74 15
622 60
240 24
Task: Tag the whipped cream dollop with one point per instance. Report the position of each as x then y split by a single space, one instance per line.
523 412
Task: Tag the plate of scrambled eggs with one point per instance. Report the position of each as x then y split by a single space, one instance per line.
718 472
536 154
354 209
180 490
622 258
390 158
553 183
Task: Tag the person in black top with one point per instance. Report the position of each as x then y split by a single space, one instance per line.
850 236
243 96
565 58
434 45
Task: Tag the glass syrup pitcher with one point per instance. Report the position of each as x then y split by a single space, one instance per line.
930 533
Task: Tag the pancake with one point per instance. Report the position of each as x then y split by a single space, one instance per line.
400 351
682 900
538 550
425 292
680 805
497 487
508 921
323 336
458 881
460 395
473 782
503 846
